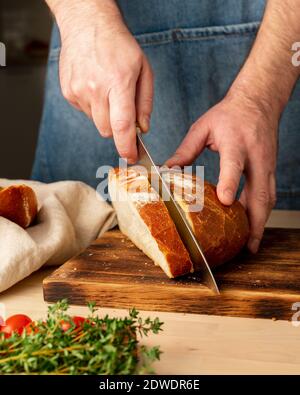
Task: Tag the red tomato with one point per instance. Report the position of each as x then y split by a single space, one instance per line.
31 328
65 325
78 321
6 330
16 323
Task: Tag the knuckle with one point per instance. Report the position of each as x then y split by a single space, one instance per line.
263 197
148 101
123 76
119 77
194 129
236 164
76 88
92 86
121 125
198 126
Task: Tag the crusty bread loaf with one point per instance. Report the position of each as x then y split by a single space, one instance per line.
18 203
143 217
221 231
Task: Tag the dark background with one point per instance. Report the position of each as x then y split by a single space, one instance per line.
25 27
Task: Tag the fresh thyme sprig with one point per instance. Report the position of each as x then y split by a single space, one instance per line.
98 346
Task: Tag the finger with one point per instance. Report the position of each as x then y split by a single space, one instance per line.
243 199
123 121
259 204
232 160
68 95
144 97
191 146
78 94
85 107
272 183
75 104
100 116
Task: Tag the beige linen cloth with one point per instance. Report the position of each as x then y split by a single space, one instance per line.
71 215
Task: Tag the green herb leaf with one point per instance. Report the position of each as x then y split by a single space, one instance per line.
99 346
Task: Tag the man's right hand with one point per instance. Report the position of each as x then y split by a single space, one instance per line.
103 70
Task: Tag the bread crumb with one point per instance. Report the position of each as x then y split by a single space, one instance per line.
274 319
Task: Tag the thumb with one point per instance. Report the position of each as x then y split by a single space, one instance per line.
191 146
232 162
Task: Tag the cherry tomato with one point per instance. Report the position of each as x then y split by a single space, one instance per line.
78 321
65 325
6 330
31 328
15 323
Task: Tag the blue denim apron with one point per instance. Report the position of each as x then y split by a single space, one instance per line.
196 48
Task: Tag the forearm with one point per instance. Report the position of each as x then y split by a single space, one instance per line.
268 75
68 12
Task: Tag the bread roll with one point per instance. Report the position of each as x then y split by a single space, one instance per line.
221 230
18 203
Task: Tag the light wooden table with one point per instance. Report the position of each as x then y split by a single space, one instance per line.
197 344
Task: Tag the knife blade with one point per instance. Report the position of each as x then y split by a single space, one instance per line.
185 232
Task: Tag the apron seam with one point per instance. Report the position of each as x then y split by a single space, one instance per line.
200 33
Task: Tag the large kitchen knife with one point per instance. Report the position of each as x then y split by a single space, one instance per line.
185 232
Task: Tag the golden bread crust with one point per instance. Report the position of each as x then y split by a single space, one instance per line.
18 203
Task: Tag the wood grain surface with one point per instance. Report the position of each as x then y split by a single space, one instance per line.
114 273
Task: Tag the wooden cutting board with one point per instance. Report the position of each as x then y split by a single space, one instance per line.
114 273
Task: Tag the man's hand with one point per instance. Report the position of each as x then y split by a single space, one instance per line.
245 135
103 71
243 126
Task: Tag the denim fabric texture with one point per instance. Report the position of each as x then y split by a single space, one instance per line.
196 48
